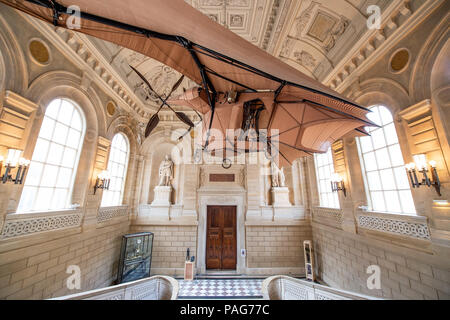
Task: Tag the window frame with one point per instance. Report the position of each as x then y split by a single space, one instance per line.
125 172
327 180
79 151
392 167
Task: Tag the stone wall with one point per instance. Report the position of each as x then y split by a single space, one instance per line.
169 247
38 271
342 260
276 246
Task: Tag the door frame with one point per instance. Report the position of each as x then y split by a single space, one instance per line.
235 232
221 198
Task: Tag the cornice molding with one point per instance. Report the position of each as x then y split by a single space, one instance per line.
375 43
81 52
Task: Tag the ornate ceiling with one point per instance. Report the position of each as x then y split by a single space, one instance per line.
257 21
312 36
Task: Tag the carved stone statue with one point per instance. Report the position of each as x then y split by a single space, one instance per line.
278 179
165 172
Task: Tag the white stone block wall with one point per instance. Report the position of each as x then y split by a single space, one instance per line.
276 246
342 260
38 271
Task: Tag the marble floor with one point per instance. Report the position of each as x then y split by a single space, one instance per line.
220 288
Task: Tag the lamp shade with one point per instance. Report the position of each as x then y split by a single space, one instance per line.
421 161
13 156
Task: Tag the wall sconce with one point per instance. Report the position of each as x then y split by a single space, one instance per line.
337 184
102 181
420 162
13 160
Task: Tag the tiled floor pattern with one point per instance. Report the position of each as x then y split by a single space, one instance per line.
220 288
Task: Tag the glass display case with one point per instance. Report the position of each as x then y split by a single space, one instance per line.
135 257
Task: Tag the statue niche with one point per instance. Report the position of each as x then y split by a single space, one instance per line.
280 193
163 190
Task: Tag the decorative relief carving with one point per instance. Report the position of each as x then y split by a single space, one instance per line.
236 20
39 223
302 20
294 292
161 78
328 216
147 291
203 177
242 177
364 55
214 17
108 213
135 58
321 297
274 34
287 47
393 226
305 59
336 33
217 3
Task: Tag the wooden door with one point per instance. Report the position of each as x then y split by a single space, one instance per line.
221 238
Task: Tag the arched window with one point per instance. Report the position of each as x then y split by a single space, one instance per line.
117 168
49 182
385 178
324 169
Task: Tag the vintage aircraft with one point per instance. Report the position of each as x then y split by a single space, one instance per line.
240 86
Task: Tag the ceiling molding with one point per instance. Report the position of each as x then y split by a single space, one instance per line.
377 42
80 51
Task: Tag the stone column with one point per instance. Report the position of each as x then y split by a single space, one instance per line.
93 201
17 116
146 178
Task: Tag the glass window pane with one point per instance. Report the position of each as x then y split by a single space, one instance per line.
60 133
69 157
64 177
392 201
47 127
407 201
378 138
324 169
391 134
396 155
373 179
40 150
76 121
55 154
384 173
385 115
59 199
53 109
52 169
27 198
387 179
378 201
366 144
370 162
49 176
383 158
117 164
374 116
65 112
34 174
401 178
43 199
73 140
